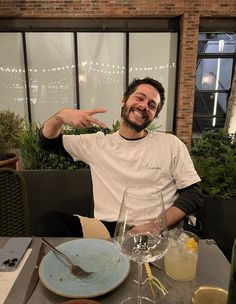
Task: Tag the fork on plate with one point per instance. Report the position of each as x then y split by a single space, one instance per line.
75 269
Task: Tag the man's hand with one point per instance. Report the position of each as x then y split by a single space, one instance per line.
73 117
154 226
81 118
150 228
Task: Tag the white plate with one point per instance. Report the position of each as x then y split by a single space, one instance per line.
102 257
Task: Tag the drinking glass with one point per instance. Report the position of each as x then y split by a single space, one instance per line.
141 231
182 255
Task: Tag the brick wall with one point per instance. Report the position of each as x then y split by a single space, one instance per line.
189 25
189 11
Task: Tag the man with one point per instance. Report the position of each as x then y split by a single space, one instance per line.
132 155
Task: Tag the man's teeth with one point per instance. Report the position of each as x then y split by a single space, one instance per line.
136 112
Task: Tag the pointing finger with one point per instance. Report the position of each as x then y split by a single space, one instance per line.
96 111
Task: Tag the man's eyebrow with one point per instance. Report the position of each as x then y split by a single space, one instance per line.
141 93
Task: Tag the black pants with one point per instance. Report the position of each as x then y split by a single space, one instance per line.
61 224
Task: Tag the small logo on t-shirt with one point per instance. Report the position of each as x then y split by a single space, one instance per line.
153 167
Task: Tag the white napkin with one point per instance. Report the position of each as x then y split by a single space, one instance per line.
7 279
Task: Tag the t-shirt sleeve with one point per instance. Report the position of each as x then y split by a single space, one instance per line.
190 199
183 170
80 147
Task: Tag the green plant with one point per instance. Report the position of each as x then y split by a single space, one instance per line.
33 157
214 157
11 126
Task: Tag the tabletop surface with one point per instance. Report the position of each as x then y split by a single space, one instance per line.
213 269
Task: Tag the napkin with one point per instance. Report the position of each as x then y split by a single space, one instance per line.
7 279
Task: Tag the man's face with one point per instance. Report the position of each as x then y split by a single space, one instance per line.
139 110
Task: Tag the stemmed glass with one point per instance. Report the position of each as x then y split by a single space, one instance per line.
141 231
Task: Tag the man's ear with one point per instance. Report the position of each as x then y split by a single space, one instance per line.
123 102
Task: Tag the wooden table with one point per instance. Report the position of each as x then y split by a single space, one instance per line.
213 269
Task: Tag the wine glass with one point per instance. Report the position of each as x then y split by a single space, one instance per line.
141 231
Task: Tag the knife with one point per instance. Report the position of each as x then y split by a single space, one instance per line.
34 276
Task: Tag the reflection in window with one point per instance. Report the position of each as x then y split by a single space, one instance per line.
216 59
213 74
212 43
204 107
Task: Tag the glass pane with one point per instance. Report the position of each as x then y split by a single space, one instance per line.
217 43
12 74
214 74
209 111
51 73
159 62
102 73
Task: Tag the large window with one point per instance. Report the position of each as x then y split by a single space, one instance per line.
103 69
12 74
216 61
41 72
102 73
51 68
159 63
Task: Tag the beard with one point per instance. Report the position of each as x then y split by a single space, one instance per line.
138 127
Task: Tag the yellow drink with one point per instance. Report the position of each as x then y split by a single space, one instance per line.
182 255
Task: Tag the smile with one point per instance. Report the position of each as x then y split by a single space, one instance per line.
139 114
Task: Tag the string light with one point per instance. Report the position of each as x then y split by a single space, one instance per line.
118 68
103 68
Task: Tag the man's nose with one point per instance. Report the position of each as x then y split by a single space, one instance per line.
144 104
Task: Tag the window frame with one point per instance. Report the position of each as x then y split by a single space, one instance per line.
202 55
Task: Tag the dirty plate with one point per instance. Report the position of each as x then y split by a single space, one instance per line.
99 256
81 301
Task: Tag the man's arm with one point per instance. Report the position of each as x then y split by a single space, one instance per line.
77 118
173 216
50 137
53 145
188 202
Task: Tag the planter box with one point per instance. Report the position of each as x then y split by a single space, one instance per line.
62 190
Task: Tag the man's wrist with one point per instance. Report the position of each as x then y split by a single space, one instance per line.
174 215
52 127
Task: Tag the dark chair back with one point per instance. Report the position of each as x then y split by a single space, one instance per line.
14 213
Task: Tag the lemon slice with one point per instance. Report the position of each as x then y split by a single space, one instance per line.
191 244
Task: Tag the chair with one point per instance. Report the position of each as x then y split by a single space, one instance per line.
14 213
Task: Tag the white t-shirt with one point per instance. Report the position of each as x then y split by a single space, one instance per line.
159 159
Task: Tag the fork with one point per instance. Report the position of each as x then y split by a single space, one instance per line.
75 269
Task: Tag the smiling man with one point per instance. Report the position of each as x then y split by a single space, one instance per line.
129 157
139 109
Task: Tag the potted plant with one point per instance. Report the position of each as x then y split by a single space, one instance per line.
214 157
11 126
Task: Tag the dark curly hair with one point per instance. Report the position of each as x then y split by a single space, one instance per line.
147 80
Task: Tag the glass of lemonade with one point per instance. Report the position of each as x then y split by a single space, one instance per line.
182 255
